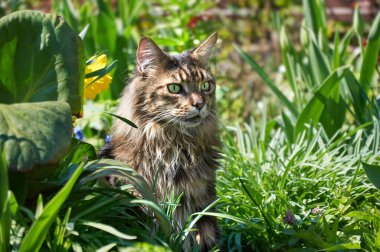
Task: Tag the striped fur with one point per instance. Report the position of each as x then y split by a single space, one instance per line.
179 152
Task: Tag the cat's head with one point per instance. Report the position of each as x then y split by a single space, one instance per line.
175 89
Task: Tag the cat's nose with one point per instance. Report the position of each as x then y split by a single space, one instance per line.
197 101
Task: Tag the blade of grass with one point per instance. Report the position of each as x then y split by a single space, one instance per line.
288 127
368 68
39 207
319 64
101 72
108 167
271 231
356 96
189 226
314 13
336 57
83 33
109 229
107 247
358 21
5 219
40 227
268 81
286 54
124 120
344 45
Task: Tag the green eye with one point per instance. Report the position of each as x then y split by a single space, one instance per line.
205 86
174 88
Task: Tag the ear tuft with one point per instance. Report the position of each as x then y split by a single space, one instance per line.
149 55
203 52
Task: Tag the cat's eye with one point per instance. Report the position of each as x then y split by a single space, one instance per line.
174 88
205 86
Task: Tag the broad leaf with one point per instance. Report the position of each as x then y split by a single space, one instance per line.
41 59
326 106
373 173
34 133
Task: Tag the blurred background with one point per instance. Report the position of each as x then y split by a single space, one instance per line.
115 27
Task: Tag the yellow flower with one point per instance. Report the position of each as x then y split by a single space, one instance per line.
92 89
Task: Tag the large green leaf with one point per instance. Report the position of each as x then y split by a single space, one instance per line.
34 133
41 59
326 106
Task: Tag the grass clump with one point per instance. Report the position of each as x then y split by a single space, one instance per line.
312 193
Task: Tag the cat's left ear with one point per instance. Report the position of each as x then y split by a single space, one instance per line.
203 52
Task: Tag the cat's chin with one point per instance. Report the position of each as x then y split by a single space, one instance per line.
191 123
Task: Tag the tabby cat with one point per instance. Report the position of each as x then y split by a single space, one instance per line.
171 98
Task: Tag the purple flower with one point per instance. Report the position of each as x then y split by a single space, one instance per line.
289 217
317 210
108 138
78 133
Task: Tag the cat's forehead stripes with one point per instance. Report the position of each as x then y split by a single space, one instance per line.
191 74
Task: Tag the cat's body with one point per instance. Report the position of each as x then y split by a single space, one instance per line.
172 101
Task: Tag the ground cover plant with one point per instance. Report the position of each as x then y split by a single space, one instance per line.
305 178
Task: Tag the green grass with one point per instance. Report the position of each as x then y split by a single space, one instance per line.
264 176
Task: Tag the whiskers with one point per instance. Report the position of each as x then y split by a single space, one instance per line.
164 118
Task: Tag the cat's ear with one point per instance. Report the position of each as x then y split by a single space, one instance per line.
203 52
149 55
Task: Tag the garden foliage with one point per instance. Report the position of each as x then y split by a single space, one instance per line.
303 180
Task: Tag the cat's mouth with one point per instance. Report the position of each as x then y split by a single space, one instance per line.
195 118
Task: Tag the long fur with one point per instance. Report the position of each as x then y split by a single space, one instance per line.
179 159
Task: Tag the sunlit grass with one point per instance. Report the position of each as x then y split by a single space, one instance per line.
317 180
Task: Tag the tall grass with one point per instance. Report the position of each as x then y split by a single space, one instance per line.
273 195
331 82
299 178
311 193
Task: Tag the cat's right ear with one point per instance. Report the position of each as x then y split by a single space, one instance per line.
149 55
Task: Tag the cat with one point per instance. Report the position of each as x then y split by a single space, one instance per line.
171 98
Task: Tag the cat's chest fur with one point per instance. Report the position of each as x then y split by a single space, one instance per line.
175 161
